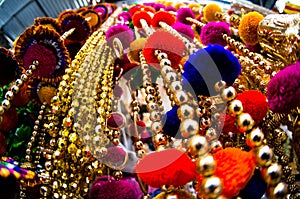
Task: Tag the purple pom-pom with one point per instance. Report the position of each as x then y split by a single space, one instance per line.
124 16
183 13
122 32
212 33
283 91
158 6
170 8
171 123
106 187
206 67
185 30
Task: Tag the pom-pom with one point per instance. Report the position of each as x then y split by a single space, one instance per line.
106 187
8 67
135 48
209 12
183 13
9 120
195 8
102 10
122 32
208 66
48 22
180 194
120 64
212 33
116 120
255 103
46 93
255 188
167 43
170 8
185 30
2 144
283 90
168 167
141 15
163 16
248 27
179 5
158 6
235 168
116 156
171 122
124 16
94 18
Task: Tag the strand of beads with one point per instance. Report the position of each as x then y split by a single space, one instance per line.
198 146
271 172
233 20
14 90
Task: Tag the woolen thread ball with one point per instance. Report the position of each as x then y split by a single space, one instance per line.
248 27
185 30
183 13
122 32
210 10
212 33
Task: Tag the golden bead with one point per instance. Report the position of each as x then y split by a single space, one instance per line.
181 97
220 86
206 165
185 111
9 95
15 89
162 56
244 122
165 62
176 86
198 145
19 82
24 77
156 127
6 104
212 187
171 77
117 175
255 138
228 94
166 69
36 62
235 108
160 139
272 174
28 72
2 110
188 128
138 145
264 155
280 191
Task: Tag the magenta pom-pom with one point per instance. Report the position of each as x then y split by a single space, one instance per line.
183 13
212 33
283 91
122 32
184 30
170 8
124 16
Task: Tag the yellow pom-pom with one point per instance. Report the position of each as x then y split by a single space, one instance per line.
248 27
134 49
210 10
179 5
46 93
195 8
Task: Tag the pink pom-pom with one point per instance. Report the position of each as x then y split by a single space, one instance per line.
183 13
185 30
122 32
212 33
283 91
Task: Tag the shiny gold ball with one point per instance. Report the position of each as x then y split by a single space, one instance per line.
280 191
156 127
185 111
181 97
176 86
6 104
245 122
15 89
220 86
139 145
228 94
117 175
32 67
165 62
166 69
273 173
264 155
255 138
188 128
36 62
206 165
212 187
24 78
1 110
198 145
162 56
171 77
235 108
19 82
29 72
9 95
160 139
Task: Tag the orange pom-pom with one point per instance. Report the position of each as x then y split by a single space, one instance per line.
210 10
235 168
248 27
167 43
168 167
141 15
163 16
134 49
46 93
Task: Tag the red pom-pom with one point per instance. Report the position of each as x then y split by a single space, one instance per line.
168 167
254 103
167 43
235 168
134 9
10 119
163 16
141 15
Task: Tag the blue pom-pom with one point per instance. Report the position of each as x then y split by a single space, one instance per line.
255 188
206 67
171 123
